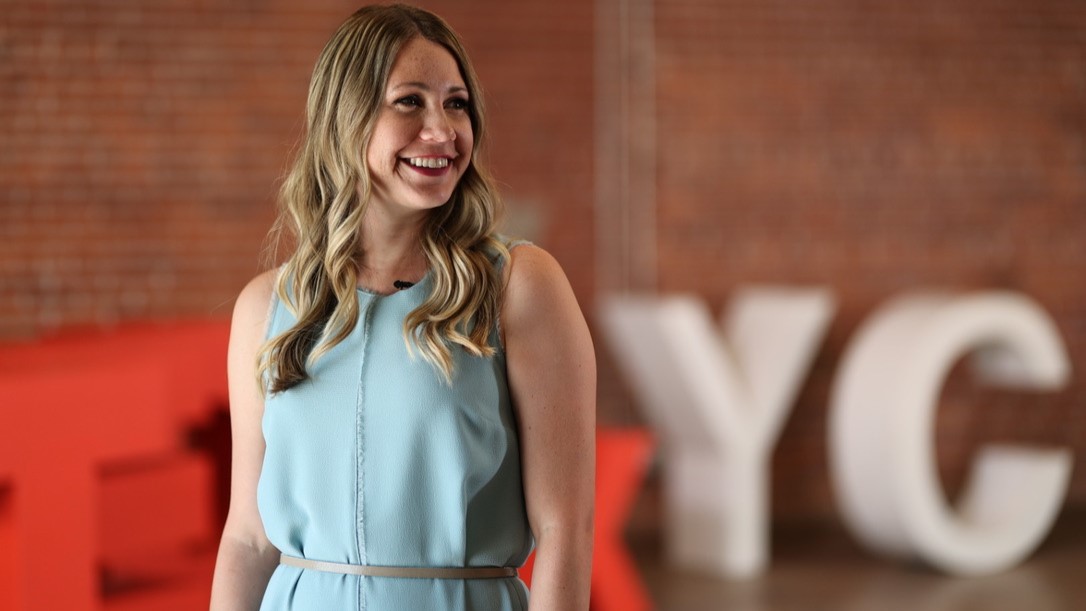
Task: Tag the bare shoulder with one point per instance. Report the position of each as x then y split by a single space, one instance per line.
533 276
249 327
539 302
247 333
251 307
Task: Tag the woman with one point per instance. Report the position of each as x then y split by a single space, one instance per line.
416 405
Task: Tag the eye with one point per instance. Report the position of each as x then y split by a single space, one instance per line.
458 104
409 100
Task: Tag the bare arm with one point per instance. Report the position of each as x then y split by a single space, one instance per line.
552 380
246 558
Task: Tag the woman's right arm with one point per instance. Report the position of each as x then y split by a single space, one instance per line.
246 558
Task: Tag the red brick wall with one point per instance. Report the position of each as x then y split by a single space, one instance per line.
872 147
142 142
876 147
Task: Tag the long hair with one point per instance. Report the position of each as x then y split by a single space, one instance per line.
324 197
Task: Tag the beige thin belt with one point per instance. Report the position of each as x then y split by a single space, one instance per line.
410 572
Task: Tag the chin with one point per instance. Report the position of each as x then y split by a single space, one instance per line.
430 204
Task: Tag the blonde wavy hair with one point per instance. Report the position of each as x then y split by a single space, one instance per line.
324 197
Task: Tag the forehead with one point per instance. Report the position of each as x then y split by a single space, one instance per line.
424 61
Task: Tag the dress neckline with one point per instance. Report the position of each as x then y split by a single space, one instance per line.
374 293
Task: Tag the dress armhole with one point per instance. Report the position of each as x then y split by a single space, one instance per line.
269 323
273 302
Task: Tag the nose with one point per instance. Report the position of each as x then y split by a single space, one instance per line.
437 127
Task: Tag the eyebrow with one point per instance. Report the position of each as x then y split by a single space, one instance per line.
424 86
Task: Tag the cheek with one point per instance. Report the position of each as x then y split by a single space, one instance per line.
370 154
375 148
388 139
466 138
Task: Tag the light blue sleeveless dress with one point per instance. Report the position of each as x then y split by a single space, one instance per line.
376 460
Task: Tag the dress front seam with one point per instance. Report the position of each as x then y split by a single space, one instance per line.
360 452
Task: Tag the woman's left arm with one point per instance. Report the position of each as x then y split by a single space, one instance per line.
552 379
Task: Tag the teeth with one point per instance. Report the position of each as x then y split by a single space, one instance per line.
429 162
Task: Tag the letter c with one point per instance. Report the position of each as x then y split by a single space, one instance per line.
881 425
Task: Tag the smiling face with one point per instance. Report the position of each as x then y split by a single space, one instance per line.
422 138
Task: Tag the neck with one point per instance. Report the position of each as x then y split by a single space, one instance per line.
391 252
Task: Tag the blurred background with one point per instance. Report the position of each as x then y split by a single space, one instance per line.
653 146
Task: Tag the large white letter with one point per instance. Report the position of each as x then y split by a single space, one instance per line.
718 408
881 421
